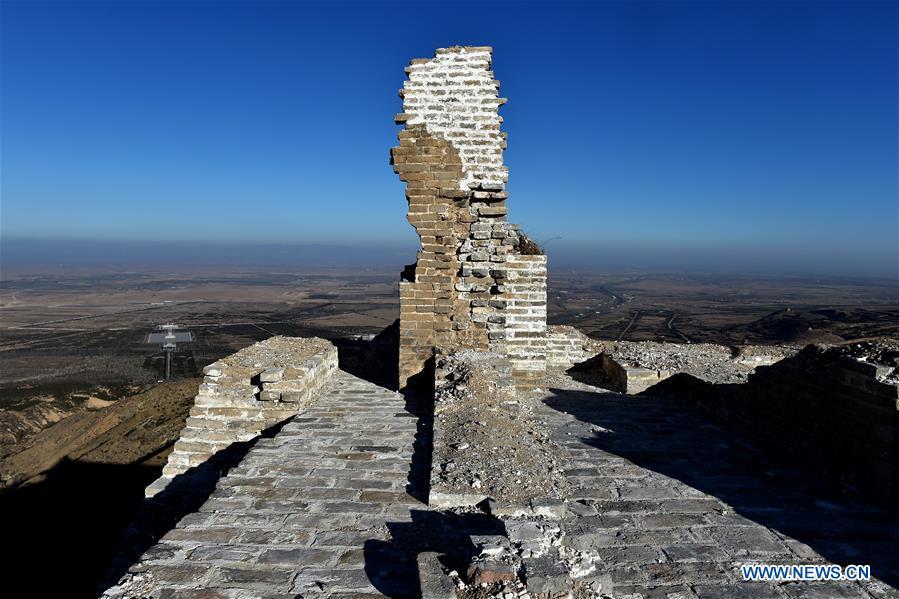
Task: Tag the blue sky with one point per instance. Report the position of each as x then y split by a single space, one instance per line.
758 130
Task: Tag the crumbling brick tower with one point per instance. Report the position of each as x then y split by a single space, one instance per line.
471 286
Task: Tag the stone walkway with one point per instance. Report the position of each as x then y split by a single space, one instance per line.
666 504
672 504
300 511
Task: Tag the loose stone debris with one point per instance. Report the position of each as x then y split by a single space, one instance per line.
487 440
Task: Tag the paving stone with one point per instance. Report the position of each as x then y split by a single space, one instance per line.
352 557
345 538
654 592
746 590
613 556
272 579
653 521
161 551
628 574
433 581
523 531
742 540
546 574
332 580
276 537
824 590
200 594
203 535
182 573
298 556
694 553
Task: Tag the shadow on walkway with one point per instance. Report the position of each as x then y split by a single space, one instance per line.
391 565
670 437
376 361
61 532
419 480
185 494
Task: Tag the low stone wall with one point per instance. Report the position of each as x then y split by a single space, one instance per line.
625 378
633 367
246 393
567 346
837 414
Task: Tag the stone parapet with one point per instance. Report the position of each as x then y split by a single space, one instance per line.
246 393
825 408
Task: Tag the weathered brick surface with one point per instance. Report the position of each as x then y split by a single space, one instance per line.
525 318
246 393
567 346
469 288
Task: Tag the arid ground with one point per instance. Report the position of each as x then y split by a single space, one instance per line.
67 337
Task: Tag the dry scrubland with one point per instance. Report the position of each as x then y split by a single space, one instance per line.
65 338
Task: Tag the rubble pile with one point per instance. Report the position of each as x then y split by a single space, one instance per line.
488 442
709 362
883 354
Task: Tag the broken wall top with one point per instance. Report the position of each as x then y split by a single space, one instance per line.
456 96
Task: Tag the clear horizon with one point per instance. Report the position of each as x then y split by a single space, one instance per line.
744 135
18 255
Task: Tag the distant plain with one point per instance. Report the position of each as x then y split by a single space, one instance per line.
81 332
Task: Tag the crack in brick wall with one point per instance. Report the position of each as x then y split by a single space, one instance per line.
469 288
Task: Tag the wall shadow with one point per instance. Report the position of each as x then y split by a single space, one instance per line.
419 479
185 494
61 531
590 372
376 361
391 566
670 436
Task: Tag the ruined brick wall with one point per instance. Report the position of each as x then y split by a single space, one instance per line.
246 393
458 294
833 414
